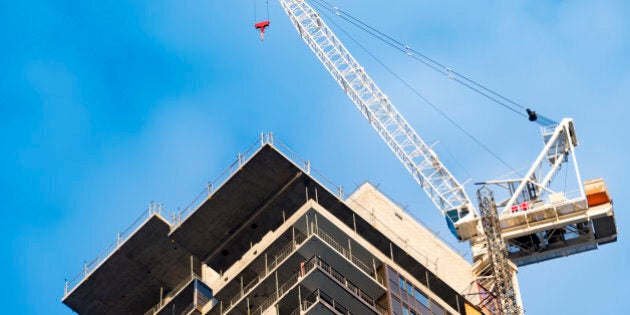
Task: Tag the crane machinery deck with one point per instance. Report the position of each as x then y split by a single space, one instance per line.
534 223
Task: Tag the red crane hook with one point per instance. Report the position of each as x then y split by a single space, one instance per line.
262 26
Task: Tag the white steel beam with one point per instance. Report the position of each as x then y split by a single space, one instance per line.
417 157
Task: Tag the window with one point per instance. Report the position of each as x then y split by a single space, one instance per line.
405 310
401 283
410 289
396 306
420 297
437 309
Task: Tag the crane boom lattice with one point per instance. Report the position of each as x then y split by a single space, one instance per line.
418 158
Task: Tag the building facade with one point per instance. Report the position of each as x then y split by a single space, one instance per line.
273 240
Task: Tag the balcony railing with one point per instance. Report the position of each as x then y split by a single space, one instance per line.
321 297
346 253
167 298
211 187
290 248
305 268
285 252
89 267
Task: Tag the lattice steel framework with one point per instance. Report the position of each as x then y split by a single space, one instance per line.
503 287
419 159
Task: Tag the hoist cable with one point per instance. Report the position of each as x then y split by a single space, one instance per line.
439 67
417 93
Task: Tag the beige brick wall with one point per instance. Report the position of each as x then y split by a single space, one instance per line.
406 232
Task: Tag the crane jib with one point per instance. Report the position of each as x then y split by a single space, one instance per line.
447 194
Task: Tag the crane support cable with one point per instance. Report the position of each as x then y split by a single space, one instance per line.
440 68
416 92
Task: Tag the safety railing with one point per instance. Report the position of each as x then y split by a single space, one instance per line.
212 186
318 296
215 184
89 267
285 252
341 279
305 268
347 254
165 299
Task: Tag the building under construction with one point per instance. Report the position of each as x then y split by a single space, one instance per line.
272 239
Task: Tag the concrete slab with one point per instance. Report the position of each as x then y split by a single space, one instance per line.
129 280
255 200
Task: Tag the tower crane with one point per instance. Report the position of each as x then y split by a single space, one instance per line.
531 224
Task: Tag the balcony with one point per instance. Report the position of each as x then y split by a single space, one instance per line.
310 277
314 242
188 298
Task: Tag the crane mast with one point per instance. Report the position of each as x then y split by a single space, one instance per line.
423 164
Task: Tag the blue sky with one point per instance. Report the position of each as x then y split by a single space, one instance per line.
107 106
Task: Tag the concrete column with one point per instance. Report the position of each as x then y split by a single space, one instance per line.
192 267
374 267
306 217
277 286
391 251
300 297
350 249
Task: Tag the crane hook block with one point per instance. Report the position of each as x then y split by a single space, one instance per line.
531 115
262 26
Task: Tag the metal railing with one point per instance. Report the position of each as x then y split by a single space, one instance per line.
321 297
288 249
346 253
212 186
341 279
285 252
167 298
89 267
308 266
175 218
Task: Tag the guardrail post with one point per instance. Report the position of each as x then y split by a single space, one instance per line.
65 289
209 187
308 167
300 297
85 269
340 192
119 239
240 160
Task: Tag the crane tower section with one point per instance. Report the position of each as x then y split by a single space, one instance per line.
443 189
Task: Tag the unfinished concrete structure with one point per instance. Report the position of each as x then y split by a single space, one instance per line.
272 239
